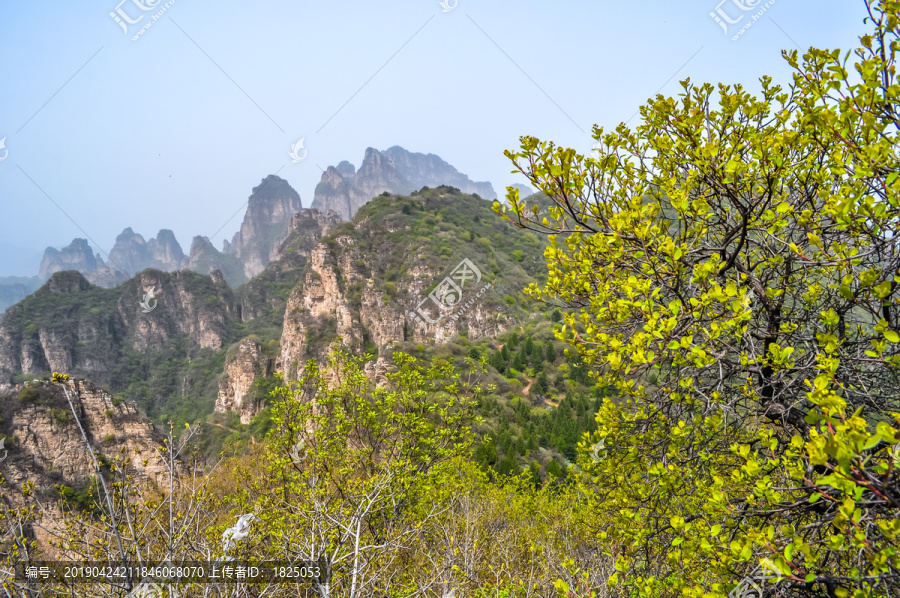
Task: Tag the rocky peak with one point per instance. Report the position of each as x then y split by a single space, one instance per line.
429 170
85 337
166 251
346 168
67 281
378 174
132 253
77 256
269 210
307 227
396 171
47 449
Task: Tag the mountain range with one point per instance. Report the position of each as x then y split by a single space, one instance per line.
271 204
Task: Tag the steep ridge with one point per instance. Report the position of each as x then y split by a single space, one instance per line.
344 189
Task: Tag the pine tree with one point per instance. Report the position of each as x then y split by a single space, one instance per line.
497 362
520 446
509 465
554 469
541 384
519 362
537 354
550 352
513 340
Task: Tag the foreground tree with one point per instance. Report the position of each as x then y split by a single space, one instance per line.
351 470
741 253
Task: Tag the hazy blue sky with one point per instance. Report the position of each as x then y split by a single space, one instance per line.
174 129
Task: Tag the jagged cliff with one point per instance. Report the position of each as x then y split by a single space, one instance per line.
268 291
69 325
344 189
78 255
248 362
375 283
47 444
45 448
132 254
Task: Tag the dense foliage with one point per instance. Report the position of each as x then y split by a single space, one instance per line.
741 252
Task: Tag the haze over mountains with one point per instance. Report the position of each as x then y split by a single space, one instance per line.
395 170
343 189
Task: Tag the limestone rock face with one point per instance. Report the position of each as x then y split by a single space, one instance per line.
379 173
166 251
132 253
185 304
269 211
129 255
320 309
204 258
305 230
70 326
337 192
396 171
317 310
287 263
249 362
48 445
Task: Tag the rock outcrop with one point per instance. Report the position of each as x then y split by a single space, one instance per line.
129 255
396 171
343 295
78 255
245 364
317 311
269 210
46 438
288 260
